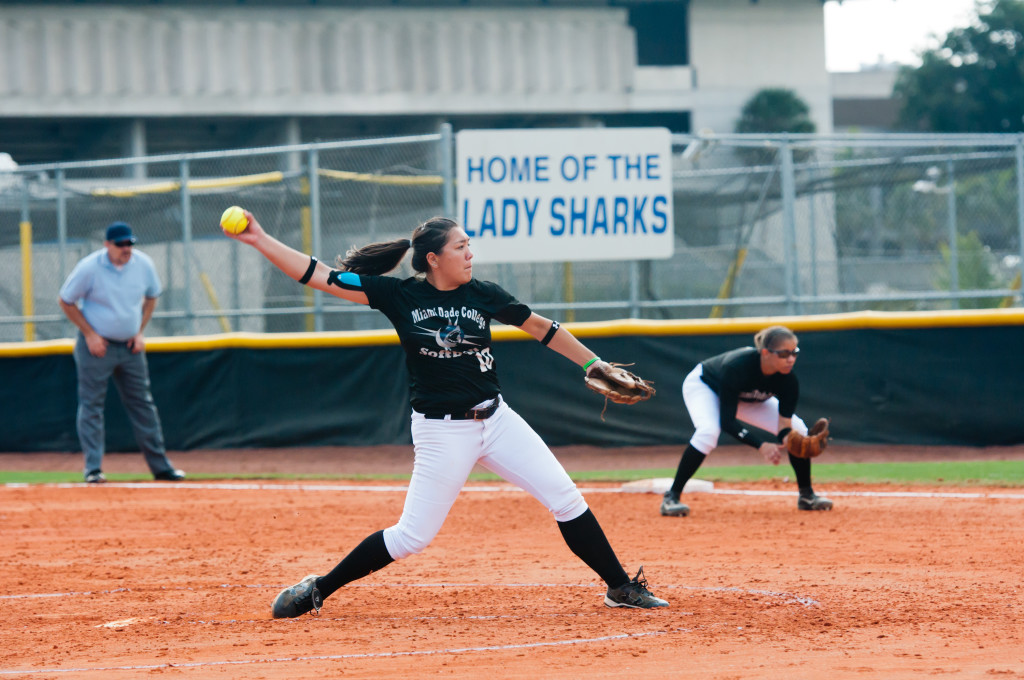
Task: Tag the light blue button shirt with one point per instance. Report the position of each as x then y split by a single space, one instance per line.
111 298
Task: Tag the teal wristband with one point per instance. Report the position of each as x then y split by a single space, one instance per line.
587 365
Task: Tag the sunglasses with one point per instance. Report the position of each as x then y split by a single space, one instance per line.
123 244
785 353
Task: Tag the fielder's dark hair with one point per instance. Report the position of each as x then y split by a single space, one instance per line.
772 337
376 259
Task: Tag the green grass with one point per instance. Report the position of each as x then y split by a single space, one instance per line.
957 473
970 473
39 477
949 473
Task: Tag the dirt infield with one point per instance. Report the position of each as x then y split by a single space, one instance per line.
176 580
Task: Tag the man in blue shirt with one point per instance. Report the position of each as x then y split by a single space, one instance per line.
110 296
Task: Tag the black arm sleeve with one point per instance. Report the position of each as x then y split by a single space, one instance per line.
728 403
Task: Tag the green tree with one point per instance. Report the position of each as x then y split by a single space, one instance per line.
775 110
977 269
974 82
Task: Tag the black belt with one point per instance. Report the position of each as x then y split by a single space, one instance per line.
472 414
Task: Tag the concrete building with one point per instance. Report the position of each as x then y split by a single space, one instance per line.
862 101
84 79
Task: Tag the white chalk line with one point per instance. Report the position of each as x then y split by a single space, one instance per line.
789 597
342 657
498 488
804 601
410 653
386 619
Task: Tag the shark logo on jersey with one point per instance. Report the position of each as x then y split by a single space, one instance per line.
454 343
451 336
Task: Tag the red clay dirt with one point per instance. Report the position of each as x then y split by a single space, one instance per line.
175 580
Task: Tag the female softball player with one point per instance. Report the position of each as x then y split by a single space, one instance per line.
458 415
729 392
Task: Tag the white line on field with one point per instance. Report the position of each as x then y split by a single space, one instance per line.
496 488
878 494
789 597
238 486
339 657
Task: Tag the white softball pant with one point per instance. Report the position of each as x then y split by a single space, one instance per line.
445 453
706 413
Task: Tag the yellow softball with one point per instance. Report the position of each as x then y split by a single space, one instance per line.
233 220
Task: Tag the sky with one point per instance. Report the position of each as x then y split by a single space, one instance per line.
861 32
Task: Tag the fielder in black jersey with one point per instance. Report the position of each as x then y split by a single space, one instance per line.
459 418
750 386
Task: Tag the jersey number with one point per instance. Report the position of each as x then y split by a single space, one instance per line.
486 360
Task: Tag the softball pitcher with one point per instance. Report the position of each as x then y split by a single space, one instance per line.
459 417
732 391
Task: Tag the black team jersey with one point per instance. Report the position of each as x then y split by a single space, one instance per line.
446 336
736 376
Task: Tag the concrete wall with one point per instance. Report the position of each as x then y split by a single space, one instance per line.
153 61
863 100
119 63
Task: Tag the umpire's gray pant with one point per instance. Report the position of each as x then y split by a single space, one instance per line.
131 377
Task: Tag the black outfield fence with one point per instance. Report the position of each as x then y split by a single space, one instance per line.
939 378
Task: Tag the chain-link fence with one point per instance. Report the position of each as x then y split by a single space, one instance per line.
890 222
764 225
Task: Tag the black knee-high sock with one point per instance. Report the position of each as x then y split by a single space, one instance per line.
586 539
688 464
369 556
802 468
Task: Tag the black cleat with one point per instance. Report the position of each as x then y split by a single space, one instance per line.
170 476
634 594
672 507
298 599
813 502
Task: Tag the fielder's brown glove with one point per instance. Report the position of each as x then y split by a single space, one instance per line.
617 384
809 446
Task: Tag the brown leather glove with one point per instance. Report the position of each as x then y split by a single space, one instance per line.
615 383
809 446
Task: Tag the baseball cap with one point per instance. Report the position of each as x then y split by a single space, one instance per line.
119 231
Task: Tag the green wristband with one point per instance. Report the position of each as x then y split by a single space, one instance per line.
587 365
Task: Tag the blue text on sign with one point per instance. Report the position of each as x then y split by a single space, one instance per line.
514 170
571 168
582 216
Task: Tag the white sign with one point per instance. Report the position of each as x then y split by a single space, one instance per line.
561 195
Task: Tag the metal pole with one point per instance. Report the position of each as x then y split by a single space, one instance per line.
314 216
1020 202
878 221
447 169
25 237
136 143
789 228
62 240
813 238
292 134
569 291
954 249
634 289
186 244
236 294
